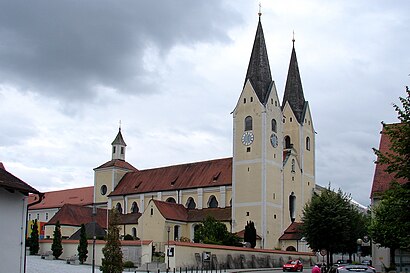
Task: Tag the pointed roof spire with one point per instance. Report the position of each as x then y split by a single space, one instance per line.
119 140
258 69
293 89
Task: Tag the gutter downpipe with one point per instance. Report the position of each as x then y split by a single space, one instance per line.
40 198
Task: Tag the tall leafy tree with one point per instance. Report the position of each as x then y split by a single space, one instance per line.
397 159
83 245
327 222
57 247
391 220
391 217
112 261
34 244
211 231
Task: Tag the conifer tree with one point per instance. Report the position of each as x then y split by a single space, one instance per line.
34 244
250 234
83 245
57 247
112 261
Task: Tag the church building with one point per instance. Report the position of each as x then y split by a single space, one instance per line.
268 179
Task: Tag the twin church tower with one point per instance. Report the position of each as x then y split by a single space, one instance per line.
268 180
273 173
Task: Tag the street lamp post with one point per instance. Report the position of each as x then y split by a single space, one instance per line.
168 230
359 247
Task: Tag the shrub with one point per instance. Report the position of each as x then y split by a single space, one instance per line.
128 264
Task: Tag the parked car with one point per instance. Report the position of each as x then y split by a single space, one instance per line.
340 262
367 262
355 268
293 265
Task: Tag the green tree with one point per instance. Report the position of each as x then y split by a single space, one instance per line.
83 245
391 217
112 261
390 224
34 244
327 223
250 234
214 232
57 247
397 159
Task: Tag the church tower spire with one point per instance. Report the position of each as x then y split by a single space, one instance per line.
259 73
293 89
118 146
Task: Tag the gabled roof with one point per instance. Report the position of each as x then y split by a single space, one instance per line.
292 232
91 229
119 163
11 182
382 179
259 73
178 212
219 214
172 211
129 218
293 89
56 199
75 215
119 140
210 173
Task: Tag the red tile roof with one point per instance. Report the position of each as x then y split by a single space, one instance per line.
119 163
56 199
191 175
241 234
129 218
178 212
75 215
382 179
292 232
219 214
172 211
11 182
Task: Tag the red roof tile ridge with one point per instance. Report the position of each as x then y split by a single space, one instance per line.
187 163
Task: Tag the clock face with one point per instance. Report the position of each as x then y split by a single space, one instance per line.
247 138
274 140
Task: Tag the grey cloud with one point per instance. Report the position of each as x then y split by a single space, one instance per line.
64 49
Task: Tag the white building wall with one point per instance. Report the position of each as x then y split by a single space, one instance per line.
13 207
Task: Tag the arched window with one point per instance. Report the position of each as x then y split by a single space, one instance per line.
176 233
134 232
248 123
288 144
274 129
293 165
171 200
308 143
134 207
190 203
292 206
212 202
118 207
290 248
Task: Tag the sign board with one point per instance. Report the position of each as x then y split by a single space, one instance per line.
171 251
206 256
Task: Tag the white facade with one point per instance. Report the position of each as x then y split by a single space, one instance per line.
13 209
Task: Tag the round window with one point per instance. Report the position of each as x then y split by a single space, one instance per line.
103 189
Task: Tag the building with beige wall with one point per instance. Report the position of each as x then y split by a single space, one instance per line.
268 180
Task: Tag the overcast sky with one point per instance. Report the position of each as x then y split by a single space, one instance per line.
172 72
